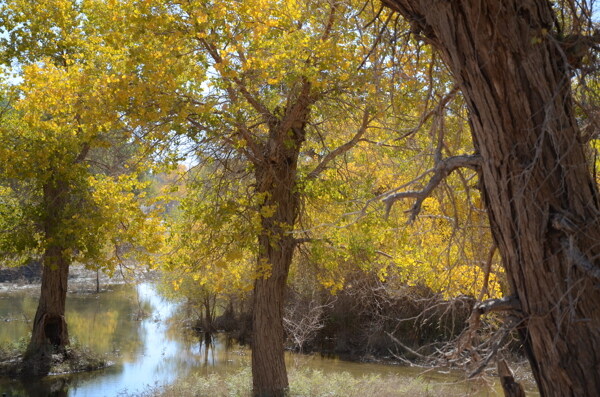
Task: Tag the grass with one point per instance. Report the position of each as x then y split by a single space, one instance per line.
312 383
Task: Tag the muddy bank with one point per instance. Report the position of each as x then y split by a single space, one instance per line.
73 360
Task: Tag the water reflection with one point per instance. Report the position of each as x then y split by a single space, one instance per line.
143 351
150 349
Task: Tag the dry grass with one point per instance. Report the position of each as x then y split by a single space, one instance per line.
314 383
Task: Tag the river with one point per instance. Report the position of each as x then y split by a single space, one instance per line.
137 330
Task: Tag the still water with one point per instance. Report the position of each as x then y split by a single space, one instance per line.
137 329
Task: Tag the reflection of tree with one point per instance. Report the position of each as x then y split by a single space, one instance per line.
101 322
104 322
53 386
16 310
97 332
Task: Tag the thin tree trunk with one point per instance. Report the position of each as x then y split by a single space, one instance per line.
542 201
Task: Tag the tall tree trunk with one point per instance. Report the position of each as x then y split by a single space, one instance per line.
542 201
277 181
49 335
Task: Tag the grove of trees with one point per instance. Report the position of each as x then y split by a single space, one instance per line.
422 142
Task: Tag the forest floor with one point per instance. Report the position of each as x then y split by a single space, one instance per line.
305 382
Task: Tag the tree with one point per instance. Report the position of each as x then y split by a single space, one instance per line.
513 61
65 115
69 213
275 114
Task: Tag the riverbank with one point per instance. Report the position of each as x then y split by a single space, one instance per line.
74 359
306 382
81 279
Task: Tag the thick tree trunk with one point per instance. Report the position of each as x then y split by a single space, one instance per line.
269 373
542 202
49 335
277 181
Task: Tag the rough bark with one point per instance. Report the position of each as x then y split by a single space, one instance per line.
50 335
276 179
542 201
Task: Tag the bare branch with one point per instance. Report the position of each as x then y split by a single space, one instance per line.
408 349
486 271
268 117
436 110
579 259
508 303
441 170
343 148
377 39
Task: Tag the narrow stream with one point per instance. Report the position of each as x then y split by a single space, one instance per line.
152 351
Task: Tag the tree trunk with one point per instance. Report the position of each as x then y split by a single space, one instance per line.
542 201
277 181
510 387
49 335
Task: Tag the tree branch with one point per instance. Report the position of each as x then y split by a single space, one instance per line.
441 170
425 117
508 303
569 227
579 259
268 117
296 110
402 345
343 148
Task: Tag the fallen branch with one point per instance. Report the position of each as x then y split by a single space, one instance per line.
494 350
509 304
408 349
